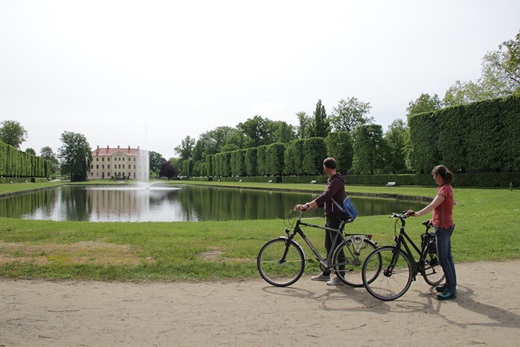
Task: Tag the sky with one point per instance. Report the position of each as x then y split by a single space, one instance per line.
151 73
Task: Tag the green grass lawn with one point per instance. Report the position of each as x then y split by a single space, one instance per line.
487 228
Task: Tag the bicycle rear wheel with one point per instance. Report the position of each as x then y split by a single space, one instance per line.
432 271
387 273
281 262
348 259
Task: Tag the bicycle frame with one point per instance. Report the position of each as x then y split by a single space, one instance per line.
281 261
403 239
339 238
389 271
298 230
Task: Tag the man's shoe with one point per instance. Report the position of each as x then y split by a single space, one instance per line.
440 289
447 295
321 277
334 282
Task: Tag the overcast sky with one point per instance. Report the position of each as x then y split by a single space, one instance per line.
150 73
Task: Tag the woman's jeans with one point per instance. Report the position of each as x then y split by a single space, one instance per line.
443 237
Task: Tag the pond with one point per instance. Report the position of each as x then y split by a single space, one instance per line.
138 203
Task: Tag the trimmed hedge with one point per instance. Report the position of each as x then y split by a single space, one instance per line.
474 180
479 137
467 180
15 163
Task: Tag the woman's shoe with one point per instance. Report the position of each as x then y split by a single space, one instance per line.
447 295
440 289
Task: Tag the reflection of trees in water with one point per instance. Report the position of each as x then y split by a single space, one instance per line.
19 205
76 204
238 204
190 203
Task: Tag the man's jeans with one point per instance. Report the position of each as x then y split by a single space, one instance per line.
445 259
332 240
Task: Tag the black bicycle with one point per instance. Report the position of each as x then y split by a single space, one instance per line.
281 261
391 279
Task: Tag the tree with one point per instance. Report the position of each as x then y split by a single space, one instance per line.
256 131
281 132
320 126
500 77
210 143
47 153
168 170
512 62
425 103
304 123
185 150
30 151
234 141
461 93
12 133
370 149
75 156
501 68
398 140
349 114
339 146
155 160
314 151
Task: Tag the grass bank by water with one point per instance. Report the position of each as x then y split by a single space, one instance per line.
487 228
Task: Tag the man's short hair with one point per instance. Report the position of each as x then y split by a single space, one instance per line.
330 163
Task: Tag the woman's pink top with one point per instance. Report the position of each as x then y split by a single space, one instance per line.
443 214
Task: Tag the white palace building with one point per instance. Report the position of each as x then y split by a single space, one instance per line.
119 163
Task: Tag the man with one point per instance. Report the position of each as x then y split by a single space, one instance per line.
335 190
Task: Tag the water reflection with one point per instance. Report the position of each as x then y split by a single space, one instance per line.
169 203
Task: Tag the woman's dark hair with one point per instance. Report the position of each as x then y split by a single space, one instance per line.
446 174
330 163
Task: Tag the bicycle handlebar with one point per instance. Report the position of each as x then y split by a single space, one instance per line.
404 215
401 216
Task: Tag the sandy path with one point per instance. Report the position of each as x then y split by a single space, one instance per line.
252 313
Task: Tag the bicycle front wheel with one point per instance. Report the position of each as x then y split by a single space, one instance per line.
281 262
387 273
348 259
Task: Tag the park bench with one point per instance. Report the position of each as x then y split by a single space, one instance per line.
313 182
391 184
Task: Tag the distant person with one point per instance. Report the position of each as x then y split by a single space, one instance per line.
442 221
335 190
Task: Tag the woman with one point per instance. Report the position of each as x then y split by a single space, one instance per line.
442 221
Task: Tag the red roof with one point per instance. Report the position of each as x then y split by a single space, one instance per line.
108 151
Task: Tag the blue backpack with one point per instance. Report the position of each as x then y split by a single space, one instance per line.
348 209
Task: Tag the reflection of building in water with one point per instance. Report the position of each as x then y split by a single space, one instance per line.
121 205
119 163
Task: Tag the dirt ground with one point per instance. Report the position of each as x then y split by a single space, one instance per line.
253 313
